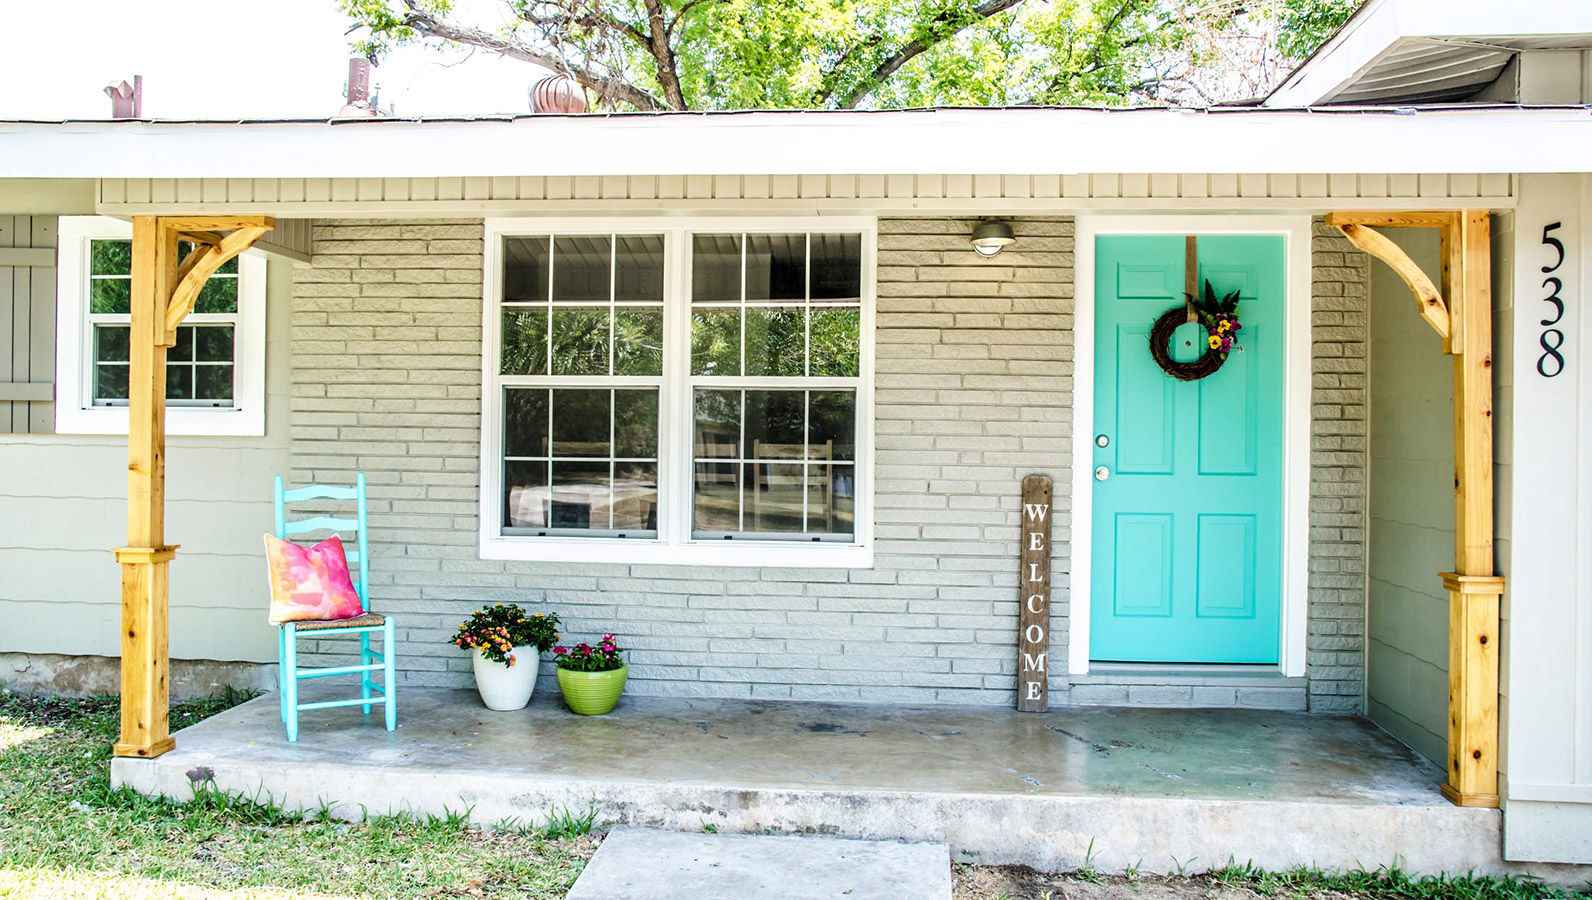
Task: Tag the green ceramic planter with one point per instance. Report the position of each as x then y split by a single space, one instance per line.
592 693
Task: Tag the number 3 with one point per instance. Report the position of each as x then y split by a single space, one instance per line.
1552 339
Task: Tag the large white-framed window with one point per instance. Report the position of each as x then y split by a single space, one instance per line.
693 391
215 375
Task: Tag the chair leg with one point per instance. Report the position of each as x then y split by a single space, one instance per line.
389 686
290 680
365 680
281 680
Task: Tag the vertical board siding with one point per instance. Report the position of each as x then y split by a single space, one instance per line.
117 192
27 324
1335 648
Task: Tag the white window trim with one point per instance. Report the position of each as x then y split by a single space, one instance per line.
674 544
74 410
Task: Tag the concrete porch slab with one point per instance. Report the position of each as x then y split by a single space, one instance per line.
1159 789
646 864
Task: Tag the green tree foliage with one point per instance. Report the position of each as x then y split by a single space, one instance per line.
796 54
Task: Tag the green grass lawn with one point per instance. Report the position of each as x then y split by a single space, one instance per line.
65 833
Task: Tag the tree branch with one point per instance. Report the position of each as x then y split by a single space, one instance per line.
918 45
663 55
607 89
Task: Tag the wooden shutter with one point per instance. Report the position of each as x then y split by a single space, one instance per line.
27 324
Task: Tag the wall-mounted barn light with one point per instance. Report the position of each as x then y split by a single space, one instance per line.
991 236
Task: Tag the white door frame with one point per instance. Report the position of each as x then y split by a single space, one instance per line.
1296 233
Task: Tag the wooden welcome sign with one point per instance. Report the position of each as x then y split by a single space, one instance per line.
1033 597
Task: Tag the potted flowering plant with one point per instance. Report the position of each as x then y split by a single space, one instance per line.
591 677
507 643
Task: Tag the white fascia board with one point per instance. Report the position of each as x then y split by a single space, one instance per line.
970 141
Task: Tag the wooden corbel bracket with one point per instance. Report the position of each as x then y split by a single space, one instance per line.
212 251
1358 228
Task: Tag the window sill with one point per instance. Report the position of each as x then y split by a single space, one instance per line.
189 421
747 554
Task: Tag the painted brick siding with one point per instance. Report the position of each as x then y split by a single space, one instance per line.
973 391
1340 332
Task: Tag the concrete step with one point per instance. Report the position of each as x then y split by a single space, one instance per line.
647 864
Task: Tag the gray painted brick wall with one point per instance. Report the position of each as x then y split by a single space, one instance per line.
973 391
1340 332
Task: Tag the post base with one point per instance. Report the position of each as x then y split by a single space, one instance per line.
1454 796
141 751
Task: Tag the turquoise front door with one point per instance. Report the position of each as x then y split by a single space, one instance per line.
1187 521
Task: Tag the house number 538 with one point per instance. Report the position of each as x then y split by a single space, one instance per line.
1551 362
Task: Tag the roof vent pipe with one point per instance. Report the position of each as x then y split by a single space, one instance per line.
357 90
127 101
557 95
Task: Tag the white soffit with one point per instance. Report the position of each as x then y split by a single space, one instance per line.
1014 141
1430 51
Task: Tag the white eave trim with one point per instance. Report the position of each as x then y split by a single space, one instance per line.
974 141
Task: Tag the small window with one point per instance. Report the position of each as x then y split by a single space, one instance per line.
214 373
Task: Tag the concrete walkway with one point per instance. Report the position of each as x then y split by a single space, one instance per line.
643 864
1157 789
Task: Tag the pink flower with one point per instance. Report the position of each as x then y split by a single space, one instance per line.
560 650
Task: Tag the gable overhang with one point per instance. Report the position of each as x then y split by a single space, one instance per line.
1429 51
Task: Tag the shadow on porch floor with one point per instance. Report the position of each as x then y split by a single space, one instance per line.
1160 789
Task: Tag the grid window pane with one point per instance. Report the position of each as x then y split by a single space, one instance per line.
524 340
636 423
110 382
774 338
836 267
580 340
771 498
831 498
179 383
525 422
635 503
219 295
774 423
716 268
526 494
110 296
213 343
213 382
638 268
717 424
526 262
582 268
776 266
716 340
836 342
717 495
581 422
638 340
110 343
110 257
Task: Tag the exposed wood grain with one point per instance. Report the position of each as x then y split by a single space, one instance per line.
1475 590
1033 596
163 291
1433 310
1437 218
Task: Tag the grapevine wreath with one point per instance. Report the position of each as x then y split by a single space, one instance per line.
1220 320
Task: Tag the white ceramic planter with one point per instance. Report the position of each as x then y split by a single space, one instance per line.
503 687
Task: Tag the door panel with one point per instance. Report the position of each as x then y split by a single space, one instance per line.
1188 527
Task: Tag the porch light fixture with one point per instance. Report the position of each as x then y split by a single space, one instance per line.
991 236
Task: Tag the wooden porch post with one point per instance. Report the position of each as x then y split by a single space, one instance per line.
1474 589
163 292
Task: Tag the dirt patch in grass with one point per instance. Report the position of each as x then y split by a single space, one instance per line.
1238 883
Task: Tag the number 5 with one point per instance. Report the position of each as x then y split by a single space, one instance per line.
1555 244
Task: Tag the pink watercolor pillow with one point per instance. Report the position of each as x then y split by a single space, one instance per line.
310 582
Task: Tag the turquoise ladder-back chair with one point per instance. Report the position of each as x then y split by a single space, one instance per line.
288 632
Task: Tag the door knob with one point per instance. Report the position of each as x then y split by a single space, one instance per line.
1102 473
1102 440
